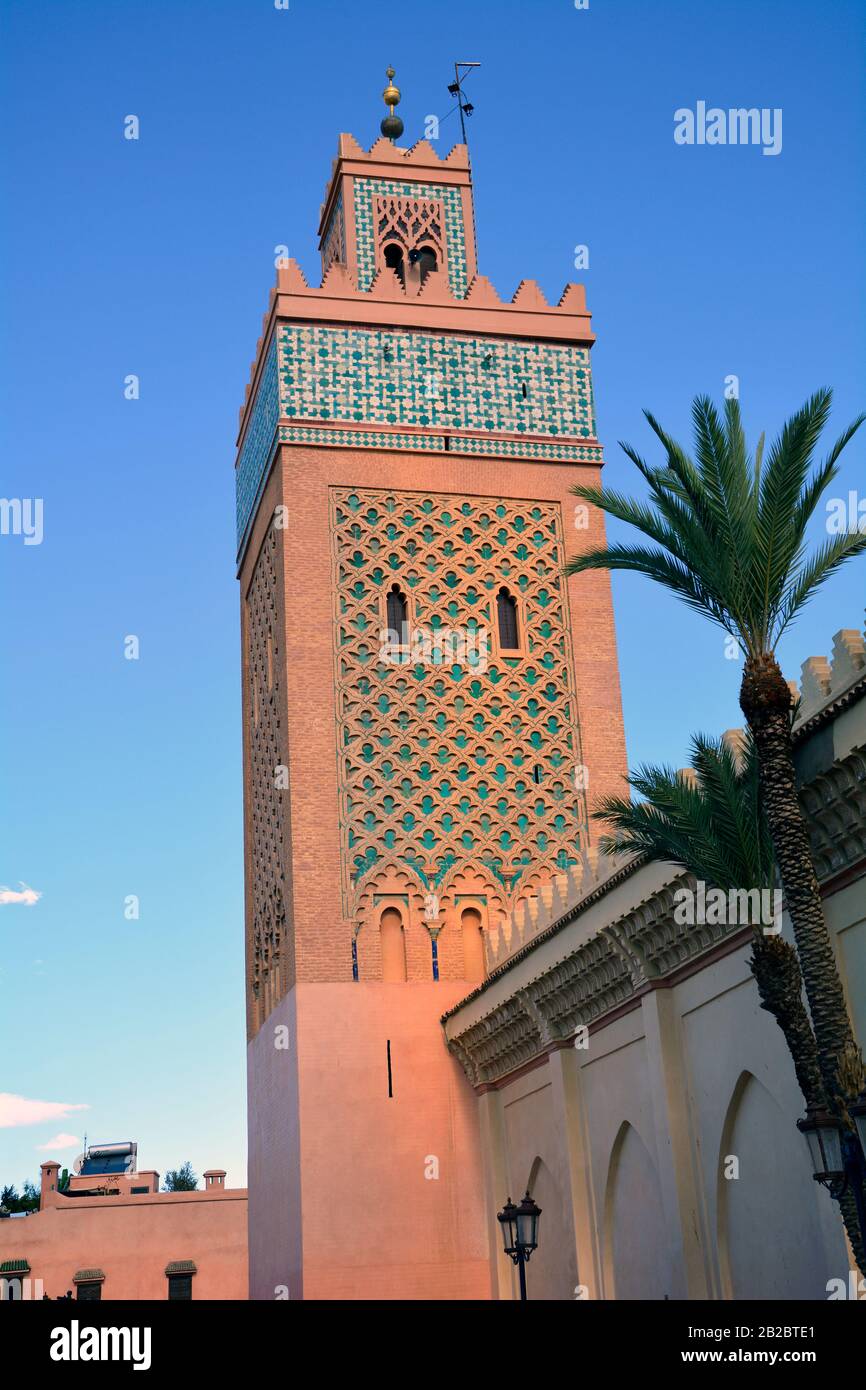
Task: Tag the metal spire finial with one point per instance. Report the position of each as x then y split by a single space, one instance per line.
392 126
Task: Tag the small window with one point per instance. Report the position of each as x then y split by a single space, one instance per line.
180 1287
425 259
506 610
473 945
536 774
394 259
398 615
393 946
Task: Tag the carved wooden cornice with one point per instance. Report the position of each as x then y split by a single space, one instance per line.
641 947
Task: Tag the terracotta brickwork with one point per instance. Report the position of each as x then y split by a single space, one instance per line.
455 756
270 947
304 481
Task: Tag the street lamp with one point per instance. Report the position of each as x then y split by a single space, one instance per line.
520 1234
837 1154
857 1111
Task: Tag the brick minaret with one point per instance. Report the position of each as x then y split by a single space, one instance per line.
428 709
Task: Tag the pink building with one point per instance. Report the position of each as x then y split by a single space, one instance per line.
128 1240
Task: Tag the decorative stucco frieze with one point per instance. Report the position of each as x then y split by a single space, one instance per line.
598 974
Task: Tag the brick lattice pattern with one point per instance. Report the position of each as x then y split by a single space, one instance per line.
269 945
438 762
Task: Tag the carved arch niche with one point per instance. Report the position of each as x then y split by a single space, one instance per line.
391 943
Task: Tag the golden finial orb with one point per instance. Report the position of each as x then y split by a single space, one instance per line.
391 94
392 126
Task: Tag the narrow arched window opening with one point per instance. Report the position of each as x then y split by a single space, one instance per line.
394 259
393 946
506 610
473 945
425 259
398 615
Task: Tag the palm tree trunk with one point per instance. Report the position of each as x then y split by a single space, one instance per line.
777 975
766 702
852 1226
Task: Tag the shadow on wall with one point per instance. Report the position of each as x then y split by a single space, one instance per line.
772 1241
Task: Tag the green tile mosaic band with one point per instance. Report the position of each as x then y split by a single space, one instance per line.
258 446
416 381
391 377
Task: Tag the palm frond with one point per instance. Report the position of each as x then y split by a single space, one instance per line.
664 568
828 470
806 581
670 525
712 825
779 526
731 533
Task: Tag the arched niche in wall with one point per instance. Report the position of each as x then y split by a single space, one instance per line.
635 1245
770 1238
472 931
393 946
552 1270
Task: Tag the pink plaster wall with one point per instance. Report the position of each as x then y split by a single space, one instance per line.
373 1226
133 1239
273 1165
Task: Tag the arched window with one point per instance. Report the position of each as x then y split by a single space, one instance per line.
393 946
398 615
425 259
506 612
473 945
394 258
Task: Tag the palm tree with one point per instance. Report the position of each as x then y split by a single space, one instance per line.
709 820
729 539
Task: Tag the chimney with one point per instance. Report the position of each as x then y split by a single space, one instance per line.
48 1196
215 1180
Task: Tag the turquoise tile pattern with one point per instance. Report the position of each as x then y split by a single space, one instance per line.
381 376
418 385
373 439
259 444
365 189
362 439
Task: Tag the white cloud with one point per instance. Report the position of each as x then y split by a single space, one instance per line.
18 1110
60 1141
28 896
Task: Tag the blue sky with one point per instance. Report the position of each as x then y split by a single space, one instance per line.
155 256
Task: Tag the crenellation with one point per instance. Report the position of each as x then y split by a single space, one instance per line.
848 660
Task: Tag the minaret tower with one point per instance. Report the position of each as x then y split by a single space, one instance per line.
429 708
